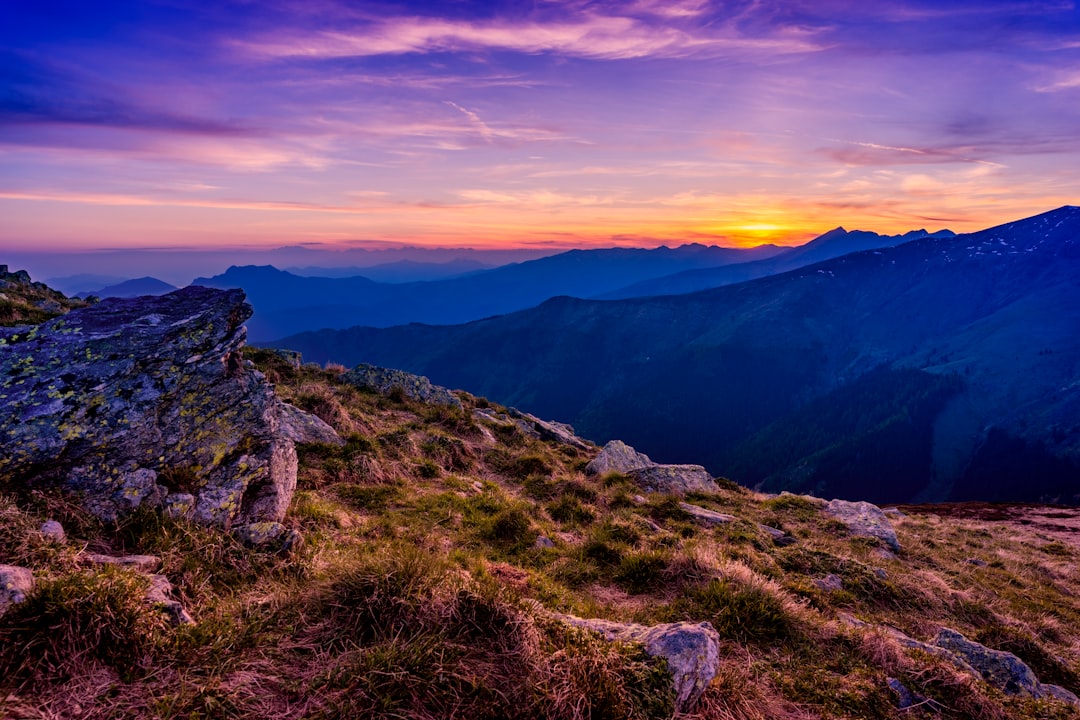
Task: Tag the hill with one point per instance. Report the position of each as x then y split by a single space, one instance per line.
132 288
455 564
286 303
974 340
832 244
429 554
24 301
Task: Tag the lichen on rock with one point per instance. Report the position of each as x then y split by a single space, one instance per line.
109 400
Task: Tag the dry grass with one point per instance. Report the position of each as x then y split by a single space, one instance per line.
409 597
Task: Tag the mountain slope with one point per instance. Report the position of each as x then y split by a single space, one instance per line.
285 303
697 376
832 244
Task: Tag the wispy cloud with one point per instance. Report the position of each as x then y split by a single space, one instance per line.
604 37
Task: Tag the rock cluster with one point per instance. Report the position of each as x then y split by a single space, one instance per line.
386 381
533 426
148 401
619 457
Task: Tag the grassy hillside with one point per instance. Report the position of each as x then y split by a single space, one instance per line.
422 586
24 302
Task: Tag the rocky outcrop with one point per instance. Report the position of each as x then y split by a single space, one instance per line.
532 426
385 381
692 651
619 457
25 301
15 584
149 401
709 517
865 520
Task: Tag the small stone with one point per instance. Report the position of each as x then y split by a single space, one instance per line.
139 563
830 583
880 574
976 562
904 697
53 532
268 536
160 594
709 517
544 542
16 583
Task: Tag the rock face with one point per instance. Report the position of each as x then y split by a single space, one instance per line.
617 456
148 400
865 520
15 584
692 651
385 381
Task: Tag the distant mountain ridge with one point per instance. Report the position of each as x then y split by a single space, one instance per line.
286 303
132 288
834 243
955 356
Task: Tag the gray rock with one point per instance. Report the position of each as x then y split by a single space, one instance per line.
692 651
544 542
139 563
1001 669
303 427
1059 693
547 430
267 536
15 584
159 594
385 381
179 505
904 698
829 583
864 519
710 517
107 400
678 479
618 457
53 531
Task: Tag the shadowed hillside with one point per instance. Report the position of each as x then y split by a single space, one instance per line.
720 374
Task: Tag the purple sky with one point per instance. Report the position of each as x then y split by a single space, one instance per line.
542 124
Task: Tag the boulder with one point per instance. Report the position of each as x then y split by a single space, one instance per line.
829 583
15 584
384 381
692 651
618 457
677 479
132 400
1001 669
865 520
267 536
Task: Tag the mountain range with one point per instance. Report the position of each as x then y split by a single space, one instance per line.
286 303
939 368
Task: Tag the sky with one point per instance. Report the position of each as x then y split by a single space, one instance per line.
184 124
